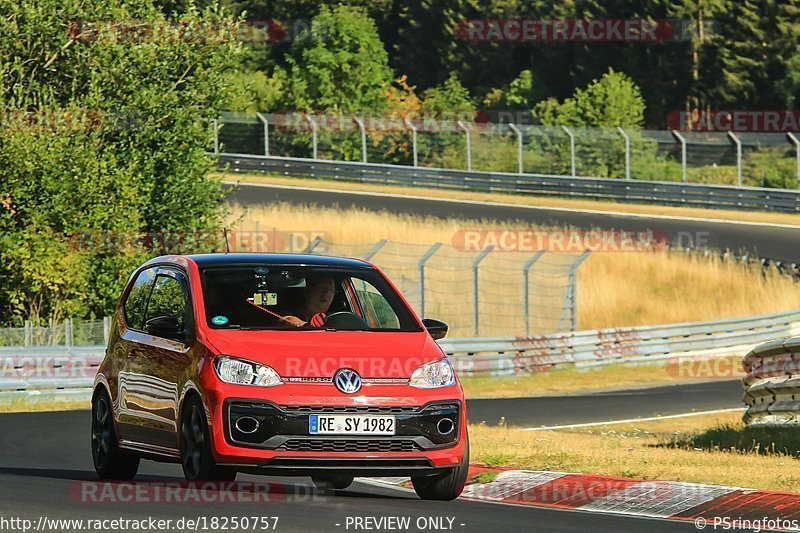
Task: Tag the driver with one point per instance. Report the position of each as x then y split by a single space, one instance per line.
317 299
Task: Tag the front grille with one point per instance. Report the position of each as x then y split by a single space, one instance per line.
349 409
313 445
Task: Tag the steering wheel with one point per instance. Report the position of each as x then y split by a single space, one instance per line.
345 320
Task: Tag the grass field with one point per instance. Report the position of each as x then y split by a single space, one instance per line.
561 203
614 289
598 378
716 449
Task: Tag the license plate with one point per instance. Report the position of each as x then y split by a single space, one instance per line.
350 425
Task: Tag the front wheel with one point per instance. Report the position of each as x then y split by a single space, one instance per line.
109 462
196 457
447 486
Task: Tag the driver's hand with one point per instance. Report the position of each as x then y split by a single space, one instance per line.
293 320
317 320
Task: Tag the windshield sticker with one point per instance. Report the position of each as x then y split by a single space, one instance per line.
219 320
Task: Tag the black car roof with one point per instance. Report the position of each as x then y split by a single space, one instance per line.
213 260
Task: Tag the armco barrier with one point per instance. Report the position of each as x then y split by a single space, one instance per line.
59 372
636 191
772 383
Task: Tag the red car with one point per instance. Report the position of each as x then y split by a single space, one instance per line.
277 364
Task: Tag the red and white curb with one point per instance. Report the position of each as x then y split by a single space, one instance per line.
709 506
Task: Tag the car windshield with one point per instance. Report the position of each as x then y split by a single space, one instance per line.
302 298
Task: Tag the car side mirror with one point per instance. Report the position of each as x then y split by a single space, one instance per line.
436 328
164 326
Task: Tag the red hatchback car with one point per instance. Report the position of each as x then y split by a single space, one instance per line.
277 364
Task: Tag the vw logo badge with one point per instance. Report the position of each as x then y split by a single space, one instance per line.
348 381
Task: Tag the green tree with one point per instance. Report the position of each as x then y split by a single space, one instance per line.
339 64
104 134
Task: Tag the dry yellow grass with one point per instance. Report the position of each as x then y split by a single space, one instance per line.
644 450
565 203
575 380
614 289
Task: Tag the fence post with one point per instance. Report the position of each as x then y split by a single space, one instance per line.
519 146
469 146
627 152
264 120
682 142
106 329
375 249
313 124
796 143
525 273
475 287
313 244
28 332
421 264
216 136
413 129
570 301
738 144
363 138
68 332
571 149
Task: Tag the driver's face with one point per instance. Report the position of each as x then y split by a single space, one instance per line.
320 296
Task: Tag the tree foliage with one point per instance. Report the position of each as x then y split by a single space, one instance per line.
104 135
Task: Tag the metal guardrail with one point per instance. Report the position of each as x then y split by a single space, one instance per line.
772 383
61 372
520 355
635 191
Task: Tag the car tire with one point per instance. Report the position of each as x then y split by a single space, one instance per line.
109 461
446 486
197 458
339 482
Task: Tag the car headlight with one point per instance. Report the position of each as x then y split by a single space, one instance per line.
241 372
433 375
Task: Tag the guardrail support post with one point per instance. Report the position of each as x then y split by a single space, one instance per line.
313 124
627 152
216 136
422 260
525 281
570 302
363 138
682 142
475 287
413 129
375 249
106 329
264 120
571 149
519 146
469 146
796 143
738 144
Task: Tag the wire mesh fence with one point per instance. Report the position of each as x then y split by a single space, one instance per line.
753 159
482 293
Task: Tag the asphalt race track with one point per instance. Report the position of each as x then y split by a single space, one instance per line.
776 243
46 467
605 406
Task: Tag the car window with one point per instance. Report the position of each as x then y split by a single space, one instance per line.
378 311
167 299
136 302
288 297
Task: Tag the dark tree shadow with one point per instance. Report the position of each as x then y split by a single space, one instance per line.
737 439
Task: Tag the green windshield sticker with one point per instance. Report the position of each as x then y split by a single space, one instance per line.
219 320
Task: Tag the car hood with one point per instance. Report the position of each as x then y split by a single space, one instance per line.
322 353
